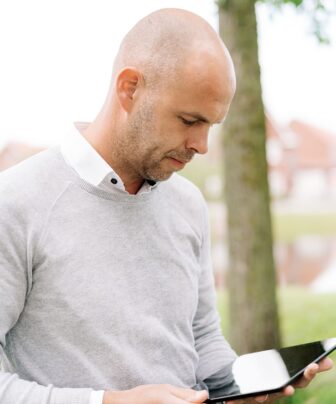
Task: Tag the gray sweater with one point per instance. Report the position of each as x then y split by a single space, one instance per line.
102 290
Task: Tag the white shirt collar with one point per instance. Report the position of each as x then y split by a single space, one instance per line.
88 163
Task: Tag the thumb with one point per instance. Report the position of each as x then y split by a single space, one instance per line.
189 395
198 396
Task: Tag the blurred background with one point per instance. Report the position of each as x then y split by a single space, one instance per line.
56 60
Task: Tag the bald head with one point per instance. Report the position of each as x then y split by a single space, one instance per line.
173 79
166 41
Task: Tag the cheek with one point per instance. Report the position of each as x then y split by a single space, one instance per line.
175 135
164 135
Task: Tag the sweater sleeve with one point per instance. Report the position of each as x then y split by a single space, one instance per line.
15 283
214 351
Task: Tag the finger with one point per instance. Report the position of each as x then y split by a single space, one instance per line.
198 397
322 366
175 400
261 399
325 364
180 392
245 401
312 369
308 375
189 395
288 391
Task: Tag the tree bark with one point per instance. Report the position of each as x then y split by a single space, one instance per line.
253 312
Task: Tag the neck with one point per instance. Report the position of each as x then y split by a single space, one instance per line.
99 136
133 187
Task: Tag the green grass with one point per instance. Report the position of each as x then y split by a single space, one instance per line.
288 227
308 317
304 317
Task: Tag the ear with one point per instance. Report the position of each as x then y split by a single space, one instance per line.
128 83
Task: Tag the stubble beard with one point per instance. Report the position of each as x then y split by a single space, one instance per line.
143 158
139 153
153 167
148 162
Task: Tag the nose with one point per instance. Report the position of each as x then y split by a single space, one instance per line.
198 141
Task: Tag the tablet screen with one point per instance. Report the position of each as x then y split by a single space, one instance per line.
271 370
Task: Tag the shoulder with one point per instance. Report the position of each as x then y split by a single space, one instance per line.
44 167
30 166
33 183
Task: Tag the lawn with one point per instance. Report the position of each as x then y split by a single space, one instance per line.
304 317
288 227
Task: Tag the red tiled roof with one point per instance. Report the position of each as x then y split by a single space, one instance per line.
315 147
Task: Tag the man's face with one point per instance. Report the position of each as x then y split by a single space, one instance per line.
167 127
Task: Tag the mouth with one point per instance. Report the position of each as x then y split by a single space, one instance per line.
178 163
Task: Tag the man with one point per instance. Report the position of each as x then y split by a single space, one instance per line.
105 275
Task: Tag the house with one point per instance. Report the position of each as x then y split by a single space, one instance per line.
302 160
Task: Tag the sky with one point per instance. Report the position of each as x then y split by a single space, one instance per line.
56 60
298 73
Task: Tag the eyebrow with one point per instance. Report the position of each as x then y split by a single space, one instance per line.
199 117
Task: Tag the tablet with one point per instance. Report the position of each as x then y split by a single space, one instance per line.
267 372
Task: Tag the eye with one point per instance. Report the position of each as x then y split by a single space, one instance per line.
187 122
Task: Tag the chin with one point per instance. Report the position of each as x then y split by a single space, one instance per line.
158 176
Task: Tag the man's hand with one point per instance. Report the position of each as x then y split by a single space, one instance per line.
309 374
155 394
311 371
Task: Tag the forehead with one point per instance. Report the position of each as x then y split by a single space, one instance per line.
206 88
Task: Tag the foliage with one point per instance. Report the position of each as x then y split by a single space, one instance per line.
318 11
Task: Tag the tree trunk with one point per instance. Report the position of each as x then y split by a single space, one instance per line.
252 293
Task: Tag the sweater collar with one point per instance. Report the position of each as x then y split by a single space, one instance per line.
88 163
